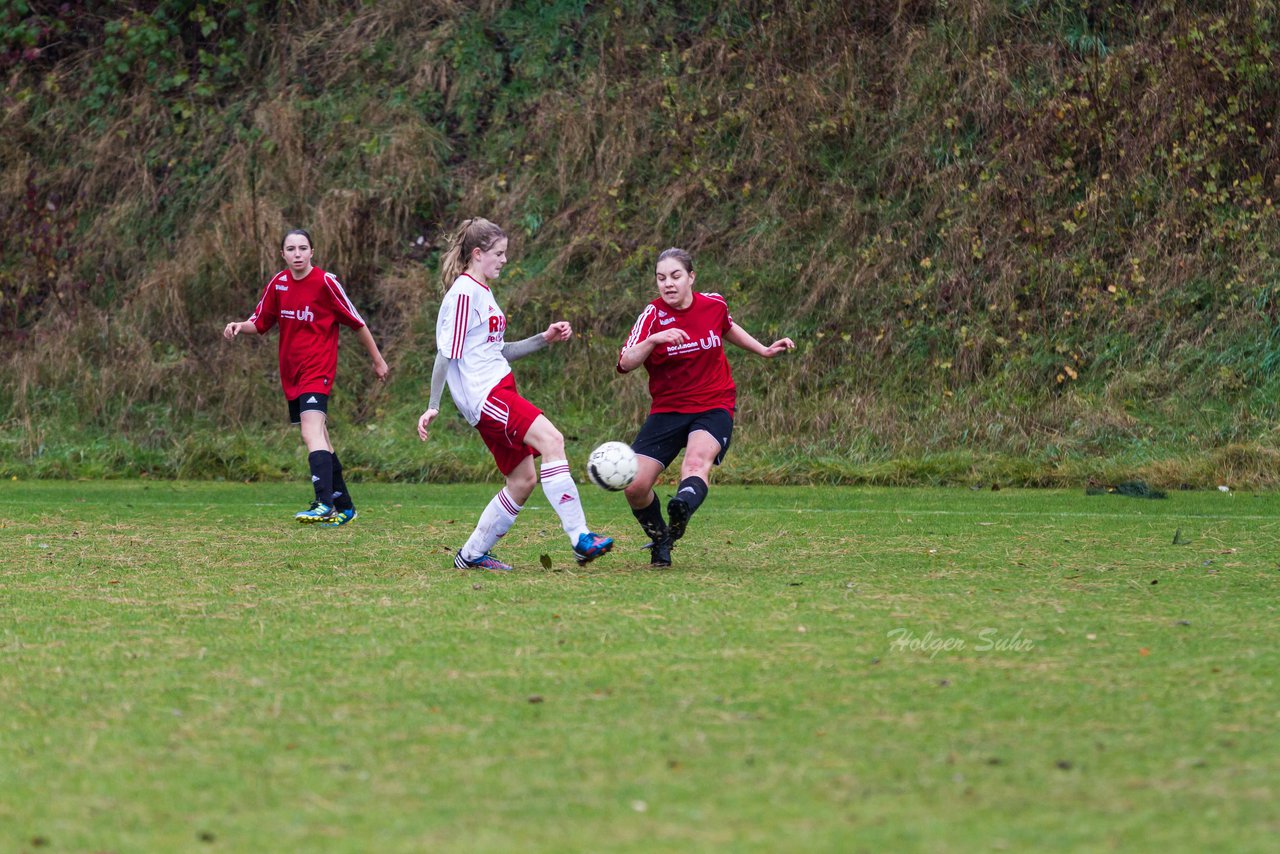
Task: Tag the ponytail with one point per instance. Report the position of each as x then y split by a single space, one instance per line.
475 233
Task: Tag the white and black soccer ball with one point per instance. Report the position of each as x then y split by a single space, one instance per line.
612 466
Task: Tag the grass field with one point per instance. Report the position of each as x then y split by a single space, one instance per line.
185 669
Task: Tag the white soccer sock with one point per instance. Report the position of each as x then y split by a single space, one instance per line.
562 492
496 520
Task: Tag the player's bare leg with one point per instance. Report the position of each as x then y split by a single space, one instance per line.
561 490
695 473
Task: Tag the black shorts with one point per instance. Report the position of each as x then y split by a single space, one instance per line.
665 434
311 401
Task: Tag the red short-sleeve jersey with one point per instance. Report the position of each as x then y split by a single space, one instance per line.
694 376
309 311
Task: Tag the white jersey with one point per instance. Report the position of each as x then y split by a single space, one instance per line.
469 331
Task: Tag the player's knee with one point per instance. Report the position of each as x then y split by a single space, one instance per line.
697 467
520 484
638 490
552 447
544 436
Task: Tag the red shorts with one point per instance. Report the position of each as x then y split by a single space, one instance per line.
505 418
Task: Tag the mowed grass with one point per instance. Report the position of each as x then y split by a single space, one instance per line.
185 668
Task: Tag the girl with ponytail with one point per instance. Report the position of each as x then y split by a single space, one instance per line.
473 359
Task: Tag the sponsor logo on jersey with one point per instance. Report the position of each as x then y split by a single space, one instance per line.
711 342
305 314
497 323
282 287
666 321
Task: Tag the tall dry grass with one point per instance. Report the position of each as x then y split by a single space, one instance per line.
981 221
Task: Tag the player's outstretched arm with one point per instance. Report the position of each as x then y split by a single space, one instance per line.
740 337
239 327
514 350
380 369
558 331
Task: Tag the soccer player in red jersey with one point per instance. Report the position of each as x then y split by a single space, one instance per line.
474 358
680 338
309 305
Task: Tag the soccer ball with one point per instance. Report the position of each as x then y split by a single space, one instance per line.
612 466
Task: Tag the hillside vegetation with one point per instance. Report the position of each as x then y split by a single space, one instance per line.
1017 241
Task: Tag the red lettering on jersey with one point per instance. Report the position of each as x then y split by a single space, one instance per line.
497 324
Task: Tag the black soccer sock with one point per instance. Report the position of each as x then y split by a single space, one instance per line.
650 519
341 498
692 491
321 463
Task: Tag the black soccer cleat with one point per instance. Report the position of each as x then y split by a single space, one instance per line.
660 553
677 518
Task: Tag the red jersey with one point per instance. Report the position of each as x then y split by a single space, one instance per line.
308 311
694 376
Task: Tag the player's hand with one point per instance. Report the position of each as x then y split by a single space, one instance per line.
424 423
673 335
232 330
558 331
380 369
782 345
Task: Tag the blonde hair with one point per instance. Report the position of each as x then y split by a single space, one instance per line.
474 233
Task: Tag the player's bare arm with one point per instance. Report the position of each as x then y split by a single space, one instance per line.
380 369
239 327
558 331
424 423
634 356
740 337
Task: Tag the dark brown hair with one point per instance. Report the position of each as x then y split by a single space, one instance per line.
294 231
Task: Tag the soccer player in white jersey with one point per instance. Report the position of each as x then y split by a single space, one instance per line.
474 359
